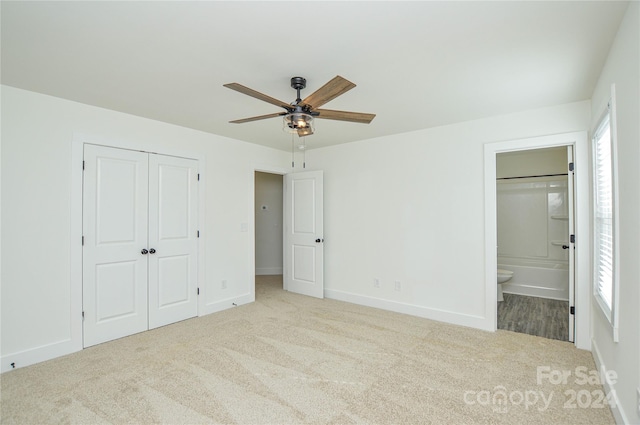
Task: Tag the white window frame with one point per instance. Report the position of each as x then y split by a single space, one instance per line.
611 312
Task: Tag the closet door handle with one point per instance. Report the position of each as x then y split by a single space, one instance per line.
152 251
144 251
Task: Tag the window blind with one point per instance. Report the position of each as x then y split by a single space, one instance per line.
603 220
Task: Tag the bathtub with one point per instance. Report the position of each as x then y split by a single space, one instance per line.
536 278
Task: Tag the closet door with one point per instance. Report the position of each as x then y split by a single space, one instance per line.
172 239
115 202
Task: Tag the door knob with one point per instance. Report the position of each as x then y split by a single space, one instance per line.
565 246
319 240
152 251
144 251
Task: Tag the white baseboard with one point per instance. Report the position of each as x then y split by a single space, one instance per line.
467 320
262 271
618 412
38 354
226 304
61 348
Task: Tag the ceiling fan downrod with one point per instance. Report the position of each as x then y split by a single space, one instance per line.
298 83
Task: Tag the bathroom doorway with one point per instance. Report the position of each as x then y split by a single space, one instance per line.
534 210
268 218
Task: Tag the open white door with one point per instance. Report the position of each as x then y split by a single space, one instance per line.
114 282
173 243
303 234
572 253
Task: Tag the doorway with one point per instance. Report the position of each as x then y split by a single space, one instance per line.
302 227
581 269
268 218
534 191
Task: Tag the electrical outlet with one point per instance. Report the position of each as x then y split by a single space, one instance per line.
376 283
397 285
224 284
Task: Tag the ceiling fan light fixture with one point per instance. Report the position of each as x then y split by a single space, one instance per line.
298 122
300 113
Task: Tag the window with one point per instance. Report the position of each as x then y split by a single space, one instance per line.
604 232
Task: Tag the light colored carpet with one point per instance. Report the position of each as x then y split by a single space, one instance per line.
290 359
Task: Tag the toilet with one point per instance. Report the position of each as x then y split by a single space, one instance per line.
503 277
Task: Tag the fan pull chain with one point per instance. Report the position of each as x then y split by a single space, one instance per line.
293 164
304 152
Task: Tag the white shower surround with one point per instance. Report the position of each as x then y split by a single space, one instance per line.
532 228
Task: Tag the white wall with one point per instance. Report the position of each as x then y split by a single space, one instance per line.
38 312
410 207
622 69
534 162
268 223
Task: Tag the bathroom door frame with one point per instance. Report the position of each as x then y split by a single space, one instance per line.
582 214
571 195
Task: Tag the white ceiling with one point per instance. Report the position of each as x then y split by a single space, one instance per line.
416 64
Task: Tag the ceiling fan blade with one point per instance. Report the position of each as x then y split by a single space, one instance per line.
334 88
250 92
345 116
260 117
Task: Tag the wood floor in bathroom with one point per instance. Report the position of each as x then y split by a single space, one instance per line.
534 316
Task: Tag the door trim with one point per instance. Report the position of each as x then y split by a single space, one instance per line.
582 213
571 191
76 201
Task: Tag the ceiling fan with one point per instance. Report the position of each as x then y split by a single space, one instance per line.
299 115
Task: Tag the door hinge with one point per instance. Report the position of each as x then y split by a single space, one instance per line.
83 165
198 233
83 241
83 315
571 166
572 238
198 176
572 310
198 291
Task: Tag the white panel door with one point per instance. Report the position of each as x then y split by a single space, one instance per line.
304 254
172 239
570 203
115 233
